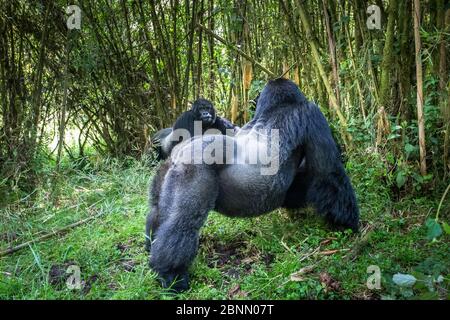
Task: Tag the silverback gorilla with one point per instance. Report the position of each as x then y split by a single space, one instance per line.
309 172
202 110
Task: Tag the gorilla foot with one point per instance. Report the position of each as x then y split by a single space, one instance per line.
175 282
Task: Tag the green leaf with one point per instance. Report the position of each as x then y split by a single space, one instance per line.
393 136
409 148
404 280
401 179
446 227
418 178
406 292
428 296
434 229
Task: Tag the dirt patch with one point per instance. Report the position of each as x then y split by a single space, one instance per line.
8 236
234 258
128 265
236 292
113 286
57 276
122 247
233 273
328 282
366 295
226 254
86 286
268 259
125 247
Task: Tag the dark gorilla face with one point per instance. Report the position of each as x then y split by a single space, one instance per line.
204 111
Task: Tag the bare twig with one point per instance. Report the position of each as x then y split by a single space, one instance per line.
360 244
242 53
440 203
49 235
330 252
288 70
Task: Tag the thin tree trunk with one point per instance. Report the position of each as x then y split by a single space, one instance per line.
239 51
199 52
211 52
153 64
405 60
444 87
332 50
316 56
37 93
358 86
62 120
190 45
386 65
420 115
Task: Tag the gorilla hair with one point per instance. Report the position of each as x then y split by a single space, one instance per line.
310 174
202 110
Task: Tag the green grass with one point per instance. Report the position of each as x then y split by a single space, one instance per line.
238 258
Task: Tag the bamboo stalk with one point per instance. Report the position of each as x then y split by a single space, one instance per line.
316 57
419 77
242 53
62 119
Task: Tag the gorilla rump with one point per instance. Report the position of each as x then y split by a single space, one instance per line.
310 173
202 110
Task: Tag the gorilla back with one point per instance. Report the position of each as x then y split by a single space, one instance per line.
184 192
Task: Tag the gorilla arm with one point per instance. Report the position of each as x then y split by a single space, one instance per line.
159 141
225 126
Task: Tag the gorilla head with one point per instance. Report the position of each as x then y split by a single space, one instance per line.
203 110
277 96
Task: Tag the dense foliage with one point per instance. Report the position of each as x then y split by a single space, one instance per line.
72 100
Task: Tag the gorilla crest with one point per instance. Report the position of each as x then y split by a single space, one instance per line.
310 172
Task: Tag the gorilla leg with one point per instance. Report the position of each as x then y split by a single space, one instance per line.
296 195
321 180
332 195
329 189
188 193
153 216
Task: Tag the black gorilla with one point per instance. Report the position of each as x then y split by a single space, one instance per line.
202 110
309 173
